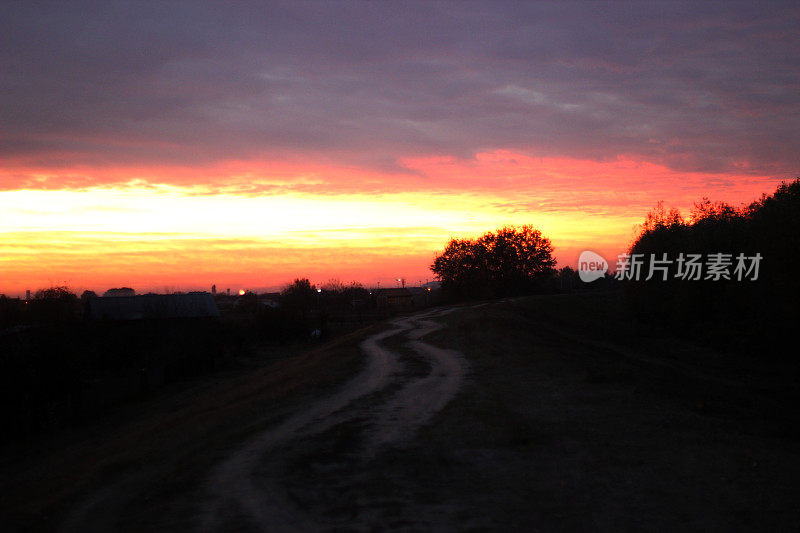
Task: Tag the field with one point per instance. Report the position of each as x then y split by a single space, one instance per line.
566 418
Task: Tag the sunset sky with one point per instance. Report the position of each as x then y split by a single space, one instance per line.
175 145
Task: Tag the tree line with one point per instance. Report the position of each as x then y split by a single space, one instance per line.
753 314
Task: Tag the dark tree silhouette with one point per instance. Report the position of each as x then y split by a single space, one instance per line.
55 293
55 304
85 295
300 294
337 296
511 260
750 314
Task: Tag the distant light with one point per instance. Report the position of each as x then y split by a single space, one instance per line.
241 292
319 290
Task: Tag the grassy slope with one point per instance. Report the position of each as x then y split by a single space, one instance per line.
572 419
135 466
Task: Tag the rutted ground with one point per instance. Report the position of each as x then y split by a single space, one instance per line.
386 404
540 414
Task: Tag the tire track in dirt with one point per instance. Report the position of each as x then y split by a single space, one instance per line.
237 492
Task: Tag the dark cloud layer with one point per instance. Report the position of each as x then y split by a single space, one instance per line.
713 88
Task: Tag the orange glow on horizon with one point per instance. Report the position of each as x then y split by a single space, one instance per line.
260 224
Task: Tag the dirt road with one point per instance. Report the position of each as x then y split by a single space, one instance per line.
388 403
539 414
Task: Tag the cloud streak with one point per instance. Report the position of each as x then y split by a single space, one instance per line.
693 88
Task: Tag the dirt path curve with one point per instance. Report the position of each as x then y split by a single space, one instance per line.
238 492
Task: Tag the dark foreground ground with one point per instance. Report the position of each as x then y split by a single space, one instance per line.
566 419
